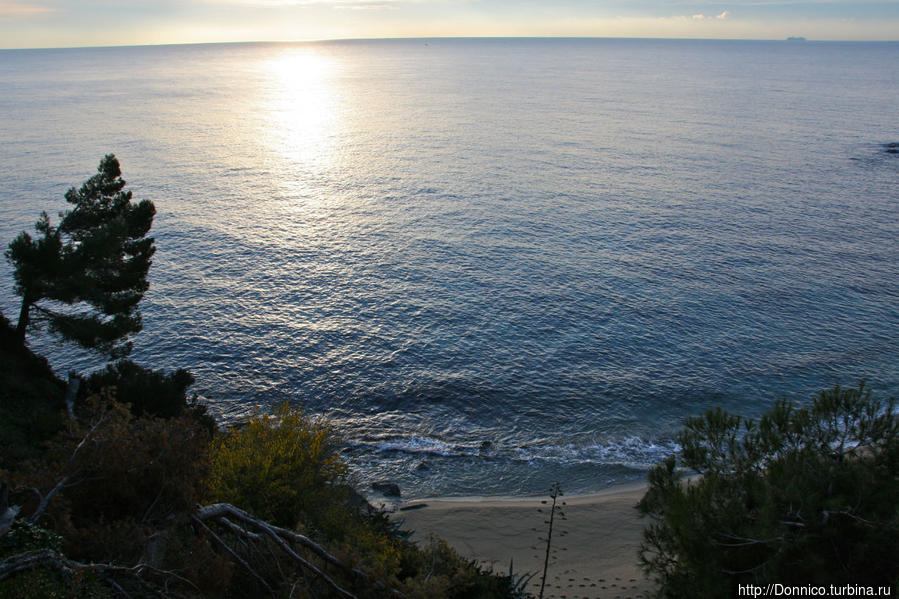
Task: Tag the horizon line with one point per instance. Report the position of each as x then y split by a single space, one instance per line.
798 39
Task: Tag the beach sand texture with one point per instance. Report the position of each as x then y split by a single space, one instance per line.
595 559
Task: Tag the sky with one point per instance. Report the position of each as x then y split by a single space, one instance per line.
64 23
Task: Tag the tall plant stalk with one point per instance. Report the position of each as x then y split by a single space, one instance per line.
554 493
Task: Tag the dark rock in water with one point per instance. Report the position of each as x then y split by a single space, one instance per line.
486 445
423 467
387 488
892 147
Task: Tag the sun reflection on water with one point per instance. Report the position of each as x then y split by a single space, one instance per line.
302 108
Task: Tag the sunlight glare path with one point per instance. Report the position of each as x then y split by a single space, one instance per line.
303 107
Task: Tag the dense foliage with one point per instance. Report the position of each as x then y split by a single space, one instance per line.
128 472
117 495
801 496
286 468
110 488
86 277
31 400
149 392
282 467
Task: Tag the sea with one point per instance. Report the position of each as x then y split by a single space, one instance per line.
492 264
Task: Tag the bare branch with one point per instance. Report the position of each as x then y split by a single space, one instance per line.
234 554
22 562
33 559
45 499
289 551
239 530
220 510
738 541
8 512
856 518
86 437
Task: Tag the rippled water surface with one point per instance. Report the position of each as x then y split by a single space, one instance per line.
494 263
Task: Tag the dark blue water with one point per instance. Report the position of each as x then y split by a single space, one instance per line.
493 263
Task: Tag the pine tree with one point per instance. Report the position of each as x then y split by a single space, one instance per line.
86 277
801 494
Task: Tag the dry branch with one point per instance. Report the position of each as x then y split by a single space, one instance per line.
49 558
221 512
233 554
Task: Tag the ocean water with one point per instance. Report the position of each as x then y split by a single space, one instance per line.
492 263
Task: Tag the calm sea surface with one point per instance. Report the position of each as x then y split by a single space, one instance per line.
493 263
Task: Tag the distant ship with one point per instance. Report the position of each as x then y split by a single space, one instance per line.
796 39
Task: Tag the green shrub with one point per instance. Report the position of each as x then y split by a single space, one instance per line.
802 496
283 467
286 468
437 570
45 583
149 392
119 480
121 486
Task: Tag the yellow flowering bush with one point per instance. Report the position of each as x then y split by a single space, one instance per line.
284 467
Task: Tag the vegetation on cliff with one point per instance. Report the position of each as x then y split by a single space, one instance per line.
115 503
130 490
803 496
85 277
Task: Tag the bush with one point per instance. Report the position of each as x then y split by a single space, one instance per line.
149 392
286 468
125 491
437 570
802 496
114 488
118 479
283 467
41 583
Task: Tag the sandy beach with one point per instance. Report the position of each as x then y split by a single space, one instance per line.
595 558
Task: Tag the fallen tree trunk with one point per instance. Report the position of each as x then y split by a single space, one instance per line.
22 562
223 511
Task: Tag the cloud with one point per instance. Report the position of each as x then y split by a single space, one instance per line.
772 2
349 4
389 5
19 10
701 17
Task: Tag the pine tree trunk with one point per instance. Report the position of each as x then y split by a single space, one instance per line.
23 318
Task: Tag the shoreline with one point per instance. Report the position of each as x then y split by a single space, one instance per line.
625 487
595 546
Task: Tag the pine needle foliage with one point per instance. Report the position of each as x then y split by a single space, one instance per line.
86 277
801 496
